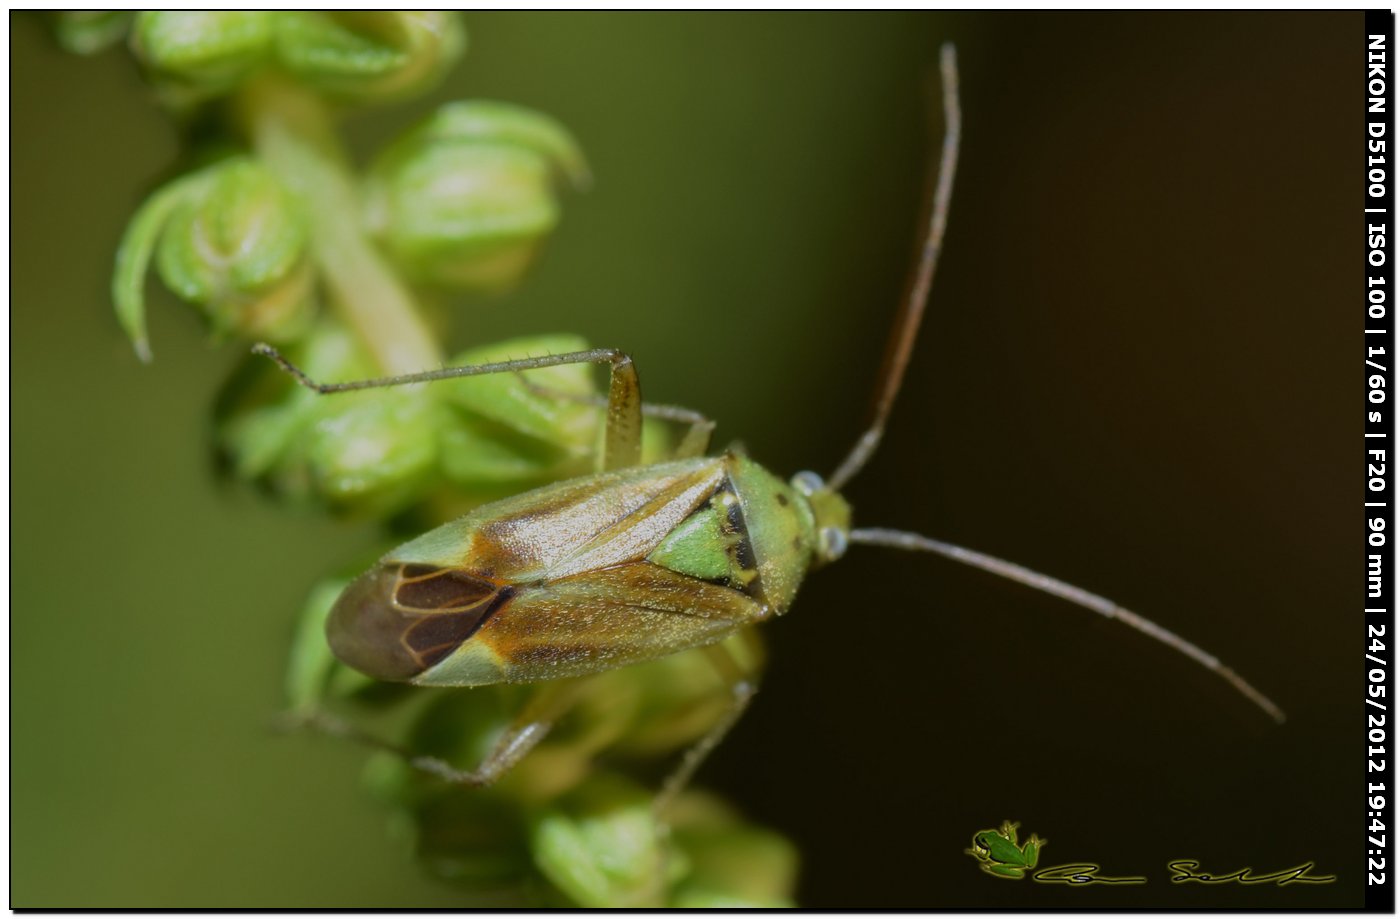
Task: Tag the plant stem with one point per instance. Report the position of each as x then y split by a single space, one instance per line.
293 135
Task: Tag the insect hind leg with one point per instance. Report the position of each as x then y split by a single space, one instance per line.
622 440
699 427
529 726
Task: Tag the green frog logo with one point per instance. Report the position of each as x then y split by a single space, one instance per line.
1000 854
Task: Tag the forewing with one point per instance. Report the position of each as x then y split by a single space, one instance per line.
571 527
594 621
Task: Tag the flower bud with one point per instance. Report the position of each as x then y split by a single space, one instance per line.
372 452
471 837
228 239
238 248
600 844
464 199
731 864
311 664
201 53
369 54
91 31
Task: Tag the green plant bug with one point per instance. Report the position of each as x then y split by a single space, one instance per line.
637 562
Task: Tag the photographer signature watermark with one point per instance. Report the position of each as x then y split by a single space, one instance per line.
1002 855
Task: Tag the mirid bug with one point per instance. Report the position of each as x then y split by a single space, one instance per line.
639 562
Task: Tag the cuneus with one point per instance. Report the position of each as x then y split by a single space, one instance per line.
641 561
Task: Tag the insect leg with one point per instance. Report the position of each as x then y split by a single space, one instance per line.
545 706
743 686
622 441
695 441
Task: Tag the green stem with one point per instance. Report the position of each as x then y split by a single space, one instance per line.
293 135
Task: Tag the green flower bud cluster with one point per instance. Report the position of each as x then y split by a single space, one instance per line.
280 238
453 444
354 56
463 199
559 828
461 202
369 451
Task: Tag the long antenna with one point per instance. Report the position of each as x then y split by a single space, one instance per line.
906 327
897 539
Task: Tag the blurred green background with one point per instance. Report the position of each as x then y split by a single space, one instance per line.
1139 374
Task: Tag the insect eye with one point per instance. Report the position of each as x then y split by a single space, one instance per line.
834 542
808 483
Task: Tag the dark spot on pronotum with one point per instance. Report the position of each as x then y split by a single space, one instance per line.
743 554
782 499
740 546
743 548
733 517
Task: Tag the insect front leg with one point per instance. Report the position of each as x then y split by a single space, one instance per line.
622 439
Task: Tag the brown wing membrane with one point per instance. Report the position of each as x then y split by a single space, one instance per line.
426 589
396 621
